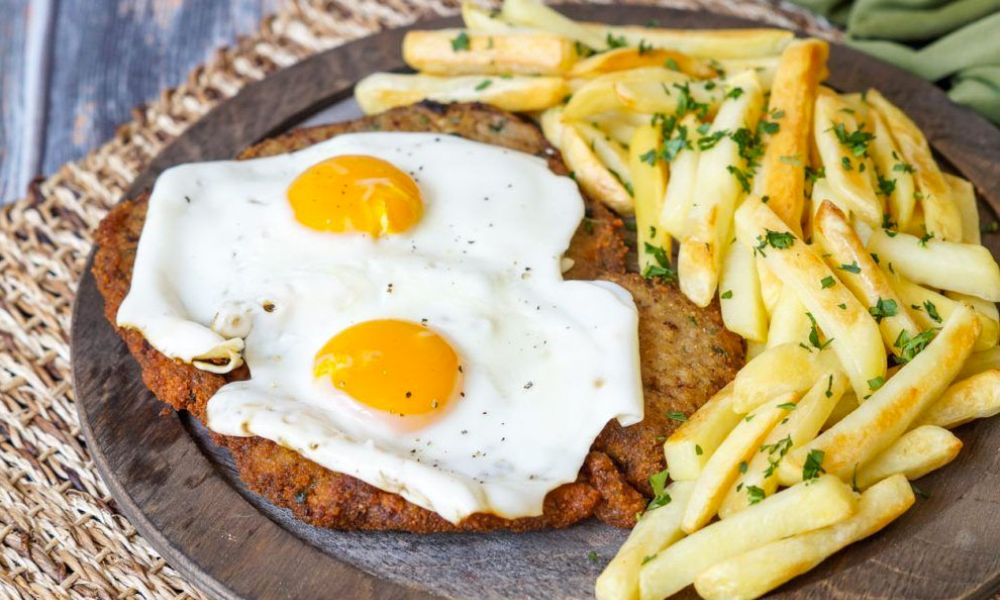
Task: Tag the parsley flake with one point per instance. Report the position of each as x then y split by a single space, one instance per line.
813 466
884 307
460 42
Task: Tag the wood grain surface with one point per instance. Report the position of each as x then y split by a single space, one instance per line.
72 70
179 491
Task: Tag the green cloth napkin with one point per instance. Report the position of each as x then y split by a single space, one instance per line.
955 43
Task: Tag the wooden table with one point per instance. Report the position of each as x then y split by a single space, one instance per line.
71 70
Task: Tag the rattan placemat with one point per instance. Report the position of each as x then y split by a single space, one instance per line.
60 533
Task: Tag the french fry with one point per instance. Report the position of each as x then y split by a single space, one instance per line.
789 322
656 530
765 67
681 184
888 160
843 169
517 53
595 179
793 95
382 91
964 196
800 426
705 43
770 286
941 215
534 14
848 402
621 59
915 454
611 154
852 332
888 413
976 397
822 192
481 20
699 261
599 95
743 310
649 182
651 96
620 126
732 454
760 570
789 512
552 125
930 309
691 445
869 284
954 266
979 362
781 370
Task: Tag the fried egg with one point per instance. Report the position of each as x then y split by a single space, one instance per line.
399 302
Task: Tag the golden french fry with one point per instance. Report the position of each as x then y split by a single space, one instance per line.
976 397
803 422
552 125
979 362
732 455
852 332
481 20
857 269
382 91
534 14
691 445
657 529
760 570
888 160
764 66
783 369
599 95
770 286
793 95
649 181
916 453
651 96
611 154
595 179
964 197
681 184
954 266
517 53
930 309
941 215
621 59
705 43
699 261
888 413
789 512
743 310
846 172
789 322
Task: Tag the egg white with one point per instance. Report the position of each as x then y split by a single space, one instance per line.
223 266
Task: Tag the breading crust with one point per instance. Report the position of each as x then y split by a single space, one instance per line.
679 370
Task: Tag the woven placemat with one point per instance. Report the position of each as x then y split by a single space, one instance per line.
61 535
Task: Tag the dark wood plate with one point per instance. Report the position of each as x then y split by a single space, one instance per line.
181 493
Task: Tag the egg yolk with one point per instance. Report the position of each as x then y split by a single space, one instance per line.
396 366
355 193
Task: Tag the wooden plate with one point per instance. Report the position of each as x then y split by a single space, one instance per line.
181 493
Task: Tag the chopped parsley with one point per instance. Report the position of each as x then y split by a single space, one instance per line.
851 268
726 295
827 281
662 268
768 127
932 311
671 64
903 167
482 85
884 307
741 176
775 453
658 481
886 186
460 42
743 467
645 47
813 466
876 382
676 415
846 163
615 42
829 386
686 103
697 450
787 406
814 334
646 559
648 157
755 494
780 240
592 556
855 141
734 93
814 174
672 145
707 142
910 347
928 236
